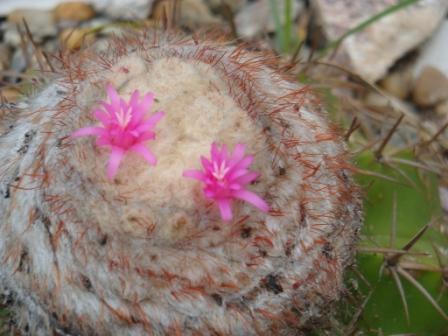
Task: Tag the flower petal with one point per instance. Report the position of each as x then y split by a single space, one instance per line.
243 164
103 141
133 102
238 154
151 122
86 131
109 108
225 209
252 198
194 173
101 116
235 174
116 155
224 154
145 152
148 135
247 178
214 153
113 96
206 164
144 106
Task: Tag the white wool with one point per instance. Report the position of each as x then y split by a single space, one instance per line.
146 252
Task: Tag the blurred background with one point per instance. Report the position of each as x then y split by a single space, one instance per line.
380 69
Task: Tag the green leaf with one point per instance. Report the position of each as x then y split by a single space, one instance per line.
413 201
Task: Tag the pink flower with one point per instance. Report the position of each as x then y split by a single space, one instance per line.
225 178
123 127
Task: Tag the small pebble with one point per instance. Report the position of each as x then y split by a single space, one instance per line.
5 57
40 22
431 87
442 109
398 83
73 39
10 94
73 12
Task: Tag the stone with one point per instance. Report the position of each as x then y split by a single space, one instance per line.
398 83
5 57
195 13
10 94
7 7
11 36
442 109
40 22
18 61
431 87
234 5
443 195
74 12
124 9
192 14
435 52
117 9
73 39
257 18
374 50
376 100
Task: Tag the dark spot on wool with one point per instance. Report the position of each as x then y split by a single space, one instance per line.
86 282
7 192
303 221
271 284
24 261
217 298
45 220
327 250
288 249
281 171
26 142
246 232
296 311
345 177
103 240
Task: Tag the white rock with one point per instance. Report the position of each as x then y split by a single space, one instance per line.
435 52
40 22
233 4
372 51
257 17
124 9
7 6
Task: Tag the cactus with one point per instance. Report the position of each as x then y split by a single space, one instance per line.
399 283
145 252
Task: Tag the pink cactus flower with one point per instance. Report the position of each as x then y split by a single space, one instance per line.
123 127
225 178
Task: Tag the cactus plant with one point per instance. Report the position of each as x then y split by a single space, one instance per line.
146 252
399 283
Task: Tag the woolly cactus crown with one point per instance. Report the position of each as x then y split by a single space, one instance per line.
146 253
